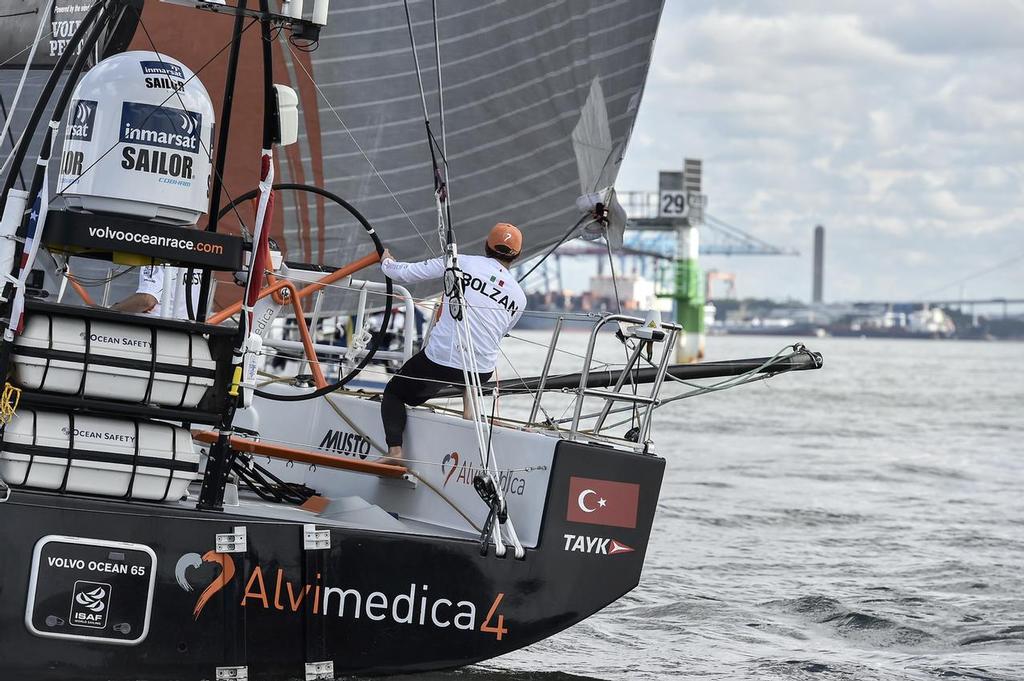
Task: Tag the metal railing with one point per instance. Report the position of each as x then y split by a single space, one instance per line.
364 287
646 337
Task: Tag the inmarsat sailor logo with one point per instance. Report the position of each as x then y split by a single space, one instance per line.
82 119
160 126
146 125
162 68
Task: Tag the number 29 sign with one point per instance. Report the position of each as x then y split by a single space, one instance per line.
672 203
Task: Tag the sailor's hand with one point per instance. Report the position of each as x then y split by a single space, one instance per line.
386 255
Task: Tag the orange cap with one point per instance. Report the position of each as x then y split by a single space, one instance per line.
505 239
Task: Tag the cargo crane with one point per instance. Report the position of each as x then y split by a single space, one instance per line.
664 226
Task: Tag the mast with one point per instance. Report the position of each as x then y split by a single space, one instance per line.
217 184
211 495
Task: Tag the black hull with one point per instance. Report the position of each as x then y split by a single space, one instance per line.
463 607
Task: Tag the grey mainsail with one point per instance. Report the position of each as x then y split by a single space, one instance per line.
539 101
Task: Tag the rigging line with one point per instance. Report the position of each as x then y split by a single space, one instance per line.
444 231
166 99
525 385
19 14
615 282
695 393
618 304
362 153
440 89
291 356
593 361
470 370
21 83
10 136
551 250
440 111
416 59
297 356
973 275
431 142
23 50
729 382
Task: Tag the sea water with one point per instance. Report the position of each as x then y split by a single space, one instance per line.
864 521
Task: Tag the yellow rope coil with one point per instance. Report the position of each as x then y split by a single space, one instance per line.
9 403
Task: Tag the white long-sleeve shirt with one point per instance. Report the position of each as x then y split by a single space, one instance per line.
493 297
151 281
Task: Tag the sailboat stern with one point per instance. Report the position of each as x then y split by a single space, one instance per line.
600 511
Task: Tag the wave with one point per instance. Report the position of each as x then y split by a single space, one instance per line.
848 623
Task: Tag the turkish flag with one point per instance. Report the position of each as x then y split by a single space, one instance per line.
602 502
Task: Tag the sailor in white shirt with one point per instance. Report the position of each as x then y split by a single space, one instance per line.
149 294
495 303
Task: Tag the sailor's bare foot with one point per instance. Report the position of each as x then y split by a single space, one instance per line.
394 457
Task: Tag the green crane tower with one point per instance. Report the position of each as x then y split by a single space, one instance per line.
682 205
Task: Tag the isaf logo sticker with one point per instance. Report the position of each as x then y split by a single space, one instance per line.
90 603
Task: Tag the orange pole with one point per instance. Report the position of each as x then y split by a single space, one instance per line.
234 309
345 271
80 290
241 444
307 340
306 291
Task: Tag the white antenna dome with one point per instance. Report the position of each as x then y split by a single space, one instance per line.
138 140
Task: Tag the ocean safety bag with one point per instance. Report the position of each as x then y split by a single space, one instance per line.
111 361
126 458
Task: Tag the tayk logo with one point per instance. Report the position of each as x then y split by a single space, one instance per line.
160 126
193 561
90 603
602 546
82 119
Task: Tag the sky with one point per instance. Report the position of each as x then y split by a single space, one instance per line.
897 125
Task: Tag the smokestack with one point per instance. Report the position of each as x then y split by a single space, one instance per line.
819 263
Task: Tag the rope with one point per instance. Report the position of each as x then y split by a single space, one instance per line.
44 15
488 490
565 237
362 153
625 345
731 382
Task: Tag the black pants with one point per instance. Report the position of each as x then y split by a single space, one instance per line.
417 381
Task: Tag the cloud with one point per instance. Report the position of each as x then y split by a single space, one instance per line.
897 126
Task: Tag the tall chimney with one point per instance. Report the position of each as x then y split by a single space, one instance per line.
819 263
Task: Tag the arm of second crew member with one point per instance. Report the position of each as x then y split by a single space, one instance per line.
147 295
411 272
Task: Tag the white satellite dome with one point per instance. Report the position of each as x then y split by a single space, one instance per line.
138 140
